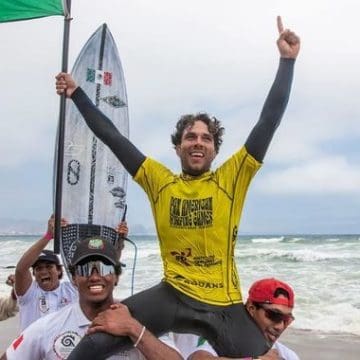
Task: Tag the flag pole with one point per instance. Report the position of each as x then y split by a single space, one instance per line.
61 133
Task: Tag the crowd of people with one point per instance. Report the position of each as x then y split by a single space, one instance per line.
197 311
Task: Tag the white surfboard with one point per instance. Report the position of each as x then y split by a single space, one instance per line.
94 181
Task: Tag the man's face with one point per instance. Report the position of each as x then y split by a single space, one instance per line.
197 149
47 275
95 286
272 319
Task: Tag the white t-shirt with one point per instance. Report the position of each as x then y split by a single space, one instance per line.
284 352
53 337
36 302
188 344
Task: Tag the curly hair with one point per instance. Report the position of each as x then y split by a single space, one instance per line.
213 124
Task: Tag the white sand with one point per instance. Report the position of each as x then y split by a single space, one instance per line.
317 345
8 332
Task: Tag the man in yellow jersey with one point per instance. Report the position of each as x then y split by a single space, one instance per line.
197 215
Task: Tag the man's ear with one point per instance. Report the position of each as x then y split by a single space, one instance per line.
250 307
177 149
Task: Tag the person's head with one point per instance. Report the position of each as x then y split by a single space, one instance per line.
270 304
197 141
95 270
47 270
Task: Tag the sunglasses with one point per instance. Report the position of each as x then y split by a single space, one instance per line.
87 268
276 316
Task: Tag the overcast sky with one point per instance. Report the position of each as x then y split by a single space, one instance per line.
200 55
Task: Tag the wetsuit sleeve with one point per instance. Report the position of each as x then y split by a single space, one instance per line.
105 130
260 137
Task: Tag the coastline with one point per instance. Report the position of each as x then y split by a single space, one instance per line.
308 344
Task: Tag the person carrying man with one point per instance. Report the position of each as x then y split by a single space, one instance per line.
95 270
197 215
270 304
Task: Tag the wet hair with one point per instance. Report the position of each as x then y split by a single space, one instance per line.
213 124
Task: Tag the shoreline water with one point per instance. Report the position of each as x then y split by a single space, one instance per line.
308 344
319 268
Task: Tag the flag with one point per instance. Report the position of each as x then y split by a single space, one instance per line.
14 10
99 77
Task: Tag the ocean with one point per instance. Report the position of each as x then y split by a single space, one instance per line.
324 271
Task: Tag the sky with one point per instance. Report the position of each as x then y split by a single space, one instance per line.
200 55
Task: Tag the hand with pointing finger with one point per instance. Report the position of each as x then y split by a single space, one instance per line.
288 42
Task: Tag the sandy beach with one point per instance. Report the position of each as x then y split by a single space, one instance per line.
309 345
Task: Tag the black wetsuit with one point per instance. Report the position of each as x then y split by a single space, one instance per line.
162 308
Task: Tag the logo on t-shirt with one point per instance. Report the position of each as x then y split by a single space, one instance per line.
43 304
191 213
18 341
65 343
182 256
64 301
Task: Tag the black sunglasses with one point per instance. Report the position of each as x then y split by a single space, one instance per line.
276 316
86 269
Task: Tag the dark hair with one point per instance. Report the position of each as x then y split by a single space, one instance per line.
60 268
281 291
213 124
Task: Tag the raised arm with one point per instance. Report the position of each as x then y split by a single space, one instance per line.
260 137
23 278
102 127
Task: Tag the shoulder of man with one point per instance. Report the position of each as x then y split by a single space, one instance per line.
28 342
29 294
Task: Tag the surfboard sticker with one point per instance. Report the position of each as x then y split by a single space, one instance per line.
94 181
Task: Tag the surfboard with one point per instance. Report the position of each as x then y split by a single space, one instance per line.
94 181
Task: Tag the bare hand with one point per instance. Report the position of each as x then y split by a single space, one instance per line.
288 42
10 280
65 84
51 224
116 321
123 229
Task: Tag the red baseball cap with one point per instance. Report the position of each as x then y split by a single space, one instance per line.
263 291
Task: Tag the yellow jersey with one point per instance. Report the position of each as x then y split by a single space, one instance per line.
197 221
